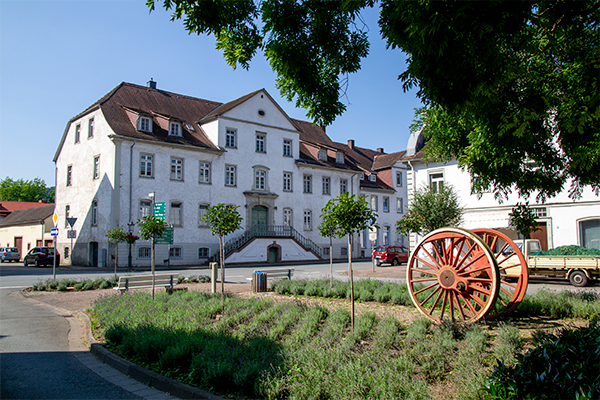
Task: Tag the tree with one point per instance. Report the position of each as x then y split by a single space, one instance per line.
23 190
116 236
327 229
431 209
151 228
345 215
523 220
514 84
222 220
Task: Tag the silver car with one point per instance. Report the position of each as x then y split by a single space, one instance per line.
9 254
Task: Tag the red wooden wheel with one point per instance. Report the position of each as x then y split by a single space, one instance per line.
514 275
452 274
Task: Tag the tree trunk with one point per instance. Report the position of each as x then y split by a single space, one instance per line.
116 258
330 262
222 251
351 274
152 266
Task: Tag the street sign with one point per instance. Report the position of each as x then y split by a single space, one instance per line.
167 238
71 234
54 232
71 221
55 217
159 210
373 235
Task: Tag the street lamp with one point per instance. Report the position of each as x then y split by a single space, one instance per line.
130 225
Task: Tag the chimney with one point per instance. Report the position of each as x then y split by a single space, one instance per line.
380 150
351 143
151 84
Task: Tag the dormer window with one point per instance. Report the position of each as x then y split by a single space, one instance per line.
339 157
372 177
322 154
174 129
145 124
362 176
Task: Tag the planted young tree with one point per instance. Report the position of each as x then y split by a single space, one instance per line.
116 236
523 220
222 220
431 209
347 214
151 228
327 229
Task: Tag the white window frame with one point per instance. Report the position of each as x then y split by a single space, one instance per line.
307 183
69 178
386 204
176 169
339 157
386 235
372 178
175 129
230 175
287 148
399 205
204 250
343 186
77 133
322 155
436 180
307 220
173 250
287 182
145 208
146 165
231 138
91 128
96 173
145 124
399 178
261 142
176 213
326 186
204 175
202 210
288 215
374 201
94 213
260 179
67 214
144 253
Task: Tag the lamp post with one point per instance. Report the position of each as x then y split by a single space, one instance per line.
130 225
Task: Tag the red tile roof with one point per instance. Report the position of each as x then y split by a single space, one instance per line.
7 207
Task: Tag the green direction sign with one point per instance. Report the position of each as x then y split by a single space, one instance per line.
166 238
159 210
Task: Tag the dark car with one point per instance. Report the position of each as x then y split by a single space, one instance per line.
41 256
9 254
394 255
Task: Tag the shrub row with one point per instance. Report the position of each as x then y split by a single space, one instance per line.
98 283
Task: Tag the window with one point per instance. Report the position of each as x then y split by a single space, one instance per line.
176 169
91 128
67 211
203 252
230 175
96 167
144 252
372 177
287 147
307 220
374 203
399 205
343 186
287 216
287 181
204 176
145 124
325 251
95 212
261 138
386 235
398 178
145 208
322 155
69 175
386 204
539 212
344 251
590 233
307 183
174 129
77 132
176 214
436 181
146 165
176 252
339 157
202 209
361 176
230 138
259 179
326 185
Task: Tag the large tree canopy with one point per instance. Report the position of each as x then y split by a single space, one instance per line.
511 87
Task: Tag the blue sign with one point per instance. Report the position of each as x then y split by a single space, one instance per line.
54 232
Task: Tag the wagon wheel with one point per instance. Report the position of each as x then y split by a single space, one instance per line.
512 265
452 274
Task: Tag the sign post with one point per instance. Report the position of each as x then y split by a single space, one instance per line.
71 234
372 238
54 233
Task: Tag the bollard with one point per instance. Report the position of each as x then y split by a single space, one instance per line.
213 276
259 281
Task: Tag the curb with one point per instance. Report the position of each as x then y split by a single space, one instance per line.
148 377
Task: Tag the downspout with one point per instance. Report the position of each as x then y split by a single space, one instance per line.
131 178
414 183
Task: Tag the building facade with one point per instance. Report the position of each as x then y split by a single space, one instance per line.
138 146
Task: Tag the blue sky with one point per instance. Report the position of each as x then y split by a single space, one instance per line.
59 57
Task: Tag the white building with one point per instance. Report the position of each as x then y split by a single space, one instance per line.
192 153
561 220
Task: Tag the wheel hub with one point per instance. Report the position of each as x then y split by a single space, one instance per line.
447 278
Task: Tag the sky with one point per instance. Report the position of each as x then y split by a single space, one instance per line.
58 57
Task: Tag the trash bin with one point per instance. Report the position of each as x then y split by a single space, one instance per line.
259 282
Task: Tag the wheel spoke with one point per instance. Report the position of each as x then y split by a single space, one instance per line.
427 288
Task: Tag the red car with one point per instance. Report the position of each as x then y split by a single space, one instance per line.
394 255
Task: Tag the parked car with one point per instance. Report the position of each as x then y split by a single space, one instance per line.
394 255
9 254
41 256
